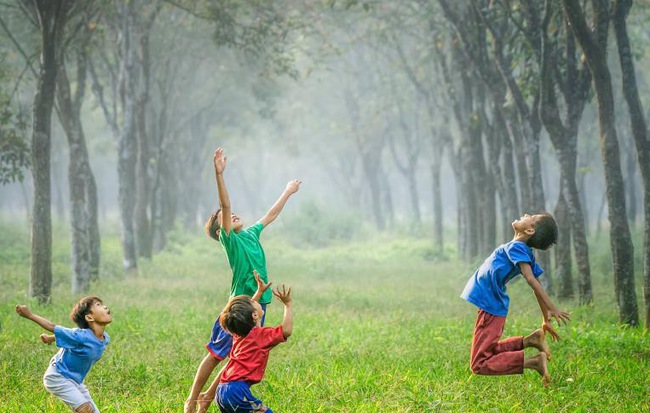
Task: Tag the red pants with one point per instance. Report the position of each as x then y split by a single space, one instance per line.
491 356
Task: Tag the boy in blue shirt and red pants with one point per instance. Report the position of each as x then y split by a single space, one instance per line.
486 289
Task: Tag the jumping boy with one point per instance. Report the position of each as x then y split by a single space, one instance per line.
80 348
245 254
252 343
486 289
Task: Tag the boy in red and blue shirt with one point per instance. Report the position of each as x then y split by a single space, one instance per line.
486 289
242 317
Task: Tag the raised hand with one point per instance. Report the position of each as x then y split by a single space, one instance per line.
261 285
219 161
283 294
23 311
293 186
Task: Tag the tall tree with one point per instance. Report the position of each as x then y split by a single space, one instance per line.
594 46
640 132
51 17
86 245
574 83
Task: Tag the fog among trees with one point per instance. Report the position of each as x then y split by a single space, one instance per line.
425 118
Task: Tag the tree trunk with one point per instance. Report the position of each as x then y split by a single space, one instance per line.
51 18
143 225
567 160
127 145
83 196
640 133
620 239
562 251
630 179
436 164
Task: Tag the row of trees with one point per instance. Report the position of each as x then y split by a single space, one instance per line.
477 85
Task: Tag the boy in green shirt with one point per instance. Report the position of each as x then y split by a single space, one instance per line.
245 255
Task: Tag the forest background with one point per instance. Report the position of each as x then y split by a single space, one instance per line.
421 129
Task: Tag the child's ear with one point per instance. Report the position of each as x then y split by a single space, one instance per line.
530 231
89 318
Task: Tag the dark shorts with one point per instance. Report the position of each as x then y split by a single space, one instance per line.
236 397
221 341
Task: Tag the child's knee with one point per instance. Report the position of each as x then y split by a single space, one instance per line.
85 408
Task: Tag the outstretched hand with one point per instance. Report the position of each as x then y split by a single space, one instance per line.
548 328
293 186
219 161
560 316
23 311
283 294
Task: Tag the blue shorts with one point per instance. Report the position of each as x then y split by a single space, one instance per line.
221 341
236 397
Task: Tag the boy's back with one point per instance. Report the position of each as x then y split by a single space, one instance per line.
486 289
245 254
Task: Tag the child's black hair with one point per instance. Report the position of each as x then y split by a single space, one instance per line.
212 226
545 233
81 309
237 317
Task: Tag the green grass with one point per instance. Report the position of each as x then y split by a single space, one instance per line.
378 327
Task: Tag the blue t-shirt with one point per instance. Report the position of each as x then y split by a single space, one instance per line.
486 289
79 350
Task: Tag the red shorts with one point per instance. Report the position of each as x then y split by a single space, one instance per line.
491 356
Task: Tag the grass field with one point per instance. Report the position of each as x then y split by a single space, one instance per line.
379 327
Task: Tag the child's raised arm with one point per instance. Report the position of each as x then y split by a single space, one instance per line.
25 312
548 309
261 286
284 295
219 160
292 187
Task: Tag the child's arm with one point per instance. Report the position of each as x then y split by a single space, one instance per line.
284 295
261 286
548 308
272 214
47 338
224 200
25 312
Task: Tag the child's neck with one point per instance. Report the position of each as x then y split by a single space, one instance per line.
98 330
520 236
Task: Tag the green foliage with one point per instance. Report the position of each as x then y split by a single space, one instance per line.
377 329
14 151
317 226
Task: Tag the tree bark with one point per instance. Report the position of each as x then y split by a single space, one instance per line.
563 270
640 133
83 192
51 17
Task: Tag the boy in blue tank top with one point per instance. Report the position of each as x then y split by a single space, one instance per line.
80 348
486 289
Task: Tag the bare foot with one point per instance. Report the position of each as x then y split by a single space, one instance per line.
204 402
537 339
190 406
538 363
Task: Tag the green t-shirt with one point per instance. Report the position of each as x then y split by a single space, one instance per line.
245 254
